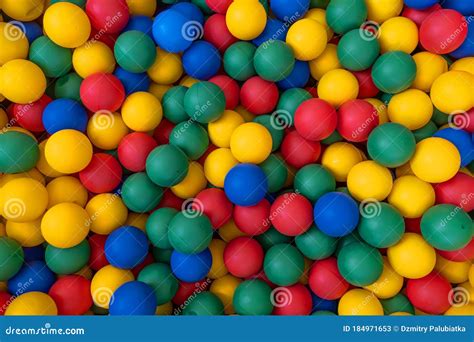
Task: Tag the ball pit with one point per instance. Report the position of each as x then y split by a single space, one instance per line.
204 157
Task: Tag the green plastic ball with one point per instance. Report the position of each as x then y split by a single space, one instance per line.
253 297
162 255
394 72
398 303
313 181
191 138
355 52
347 240
161 279
67 260
54 60
11 256
276 171
381 225
135 51
274 60
439 118
426 131
167 165
283 264
271 238
204 304
173 104
238 61
289 101
359 263
68 86
275 130
189 232
157 227
316 245
204 102
391 144
446 227
345 15
18 152
140 194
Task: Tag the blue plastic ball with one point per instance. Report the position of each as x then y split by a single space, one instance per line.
274 30
298 78
191 267
320 304
467 48
465 7
134 298
133 82
33 276
126 247
140 23
336 214
289 10
64 114
189 10
31 29
169 31
420 4
202 60
246 185
462 140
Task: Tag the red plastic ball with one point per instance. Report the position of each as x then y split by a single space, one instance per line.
133 150
326 281
315 119
30 115
5 300
464 120
456 191
243 257
215 205
356 119
185 290
107 39
259 96
412 225
417 16
464 254
97 259
430 294
110 16
219 6
291 214
367 87
253 220
443 31
217 33
111 90
230 88
292 300
72 295
298 151
170 200
103 174
163 131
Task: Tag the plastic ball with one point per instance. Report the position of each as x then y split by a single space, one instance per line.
356 52
33 276
106 130
160 278
326 62
259 96
68 151
14 74
167 165
230 88
14 43
170 31
462 140
32 304
284 11
57 24
253 220
173 104
217 165
411 108
276 171
467 47
109 213
359 263
338 86
388 284
97 51
358 302
245 184
315 245
28 234
343 16
291 214
398 34
157 227
411 196
133 150
21 148
142 112
104 283
313 181
128 238
369 180
109 15
191 267
274 61
29 116
220 131
190 232
311 111
204 102
246 19
140 194
394 72
64 114
201 60
307 37
215 205
133 298
356 119
238 61
71 295
54 60
336 214
191 138
68 86
455 191
300 303
204 304
111 90
430 293
243 257
133 82
283 264
367 88
325 280
252 297
217 33
13 256
251 143
451 92
298 151
67 260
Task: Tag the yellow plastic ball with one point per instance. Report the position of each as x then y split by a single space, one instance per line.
471 275
28 234
142 112
23 200
251 143
319 15
246 19
107 213
411 108
65 225
218 269
158 90
398 34
221 130
411 196
106 281
217 164
42 164
308 38
66 189
464 64
412 257
369 180
105 130
436 160
359 302
167 68
229 231
33 173
192 184
32 304
137 220
13 42
142 7
23 10
224 288
455 272
381 10
388 284
66 24
15 75
338 86
381 109
339 158
429 67
463 310
96 51
68 151
164 309
453 91
325 62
